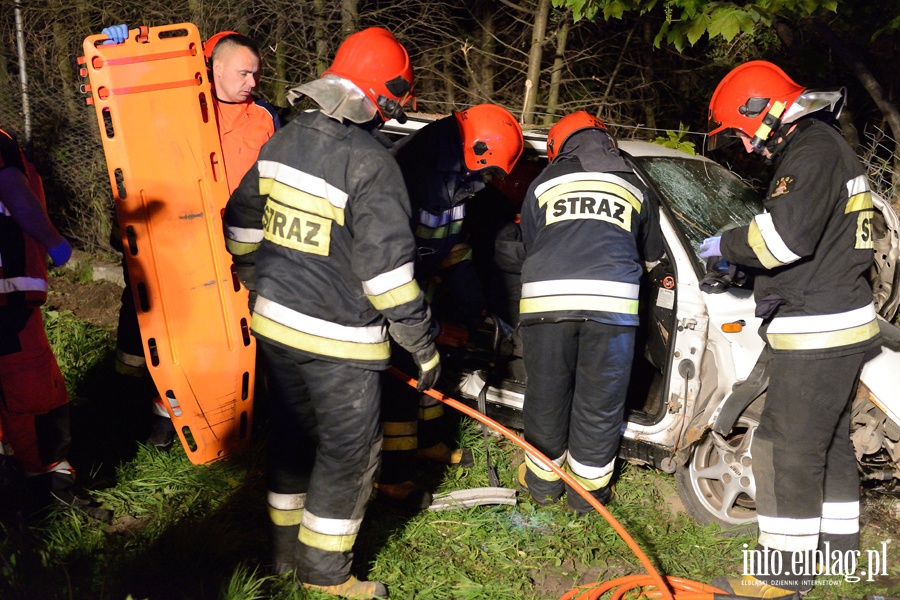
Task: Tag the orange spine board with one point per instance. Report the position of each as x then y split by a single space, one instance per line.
157 122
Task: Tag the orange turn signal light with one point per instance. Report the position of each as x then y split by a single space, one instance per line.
735 327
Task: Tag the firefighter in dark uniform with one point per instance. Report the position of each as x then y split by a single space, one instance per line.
324 214
444 165
588 223
813 250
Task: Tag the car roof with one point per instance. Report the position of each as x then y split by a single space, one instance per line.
536 138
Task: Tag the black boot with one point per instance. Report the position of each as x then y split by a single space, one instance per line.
64 493
162 433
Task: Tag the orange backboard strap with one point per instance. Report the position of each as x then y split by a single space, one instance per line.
129 60
104 93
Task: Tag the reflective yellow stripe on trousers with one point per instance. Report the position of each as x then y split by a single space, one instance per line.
331 535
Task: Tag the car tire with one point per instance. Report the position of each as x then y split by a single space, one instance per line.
716 485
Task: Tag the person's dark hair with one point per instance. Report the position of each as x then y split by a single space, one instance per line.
233 40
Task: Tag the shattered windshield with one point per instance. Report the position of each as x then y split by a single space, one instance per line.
706 197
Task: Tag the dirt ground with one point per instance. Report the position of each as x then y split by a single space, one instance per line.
96 302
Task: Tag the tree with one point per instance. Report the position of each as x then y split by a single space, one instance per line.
686 22
535 54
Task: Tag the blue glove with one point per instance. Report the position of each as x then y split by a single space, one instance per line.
60 254
722 266
710 247
117 34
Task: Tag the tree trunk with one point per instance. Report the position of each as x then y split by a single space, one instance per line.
891 114
66 71
535 54
612 77
277 97
349 17
559 62
320 35
484 91
652 102
23 75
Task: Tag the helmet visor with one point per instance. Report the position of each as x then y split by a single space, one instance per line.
403 90
719 136
723 138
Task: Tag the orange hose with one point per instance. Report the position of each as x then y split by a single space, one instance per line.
657 586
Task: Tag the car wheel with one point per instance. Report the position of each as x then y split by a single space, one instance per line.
717 485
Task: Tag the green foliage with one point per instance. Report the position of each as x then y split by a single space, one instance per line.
686 22
891 26
84 271
245 584
675 139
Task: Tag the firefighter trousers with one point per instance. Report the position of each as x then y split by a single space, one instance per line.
578 373
411 421
807 483
322 457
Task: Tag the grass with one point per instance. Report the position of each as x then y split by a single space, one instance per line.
183 531
78 346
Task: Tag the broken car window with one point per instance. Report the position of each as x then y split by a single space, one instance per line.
706 197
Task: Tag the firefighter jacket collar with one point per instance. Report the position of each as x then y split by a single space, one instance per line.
787 132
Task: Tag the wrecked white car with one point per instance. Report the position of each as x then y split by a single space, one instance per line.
697 389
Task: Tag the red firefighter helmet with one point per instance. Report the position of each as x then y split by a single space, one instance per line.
211 43
374 61
491 137
751 99
565 127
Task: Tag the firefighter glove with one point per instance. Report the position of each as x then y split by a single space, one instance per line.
710 247
429 363
418 339
61 253
117 34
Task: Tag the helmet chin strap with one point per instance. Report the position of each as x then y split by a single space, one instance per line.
391 108
770 123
